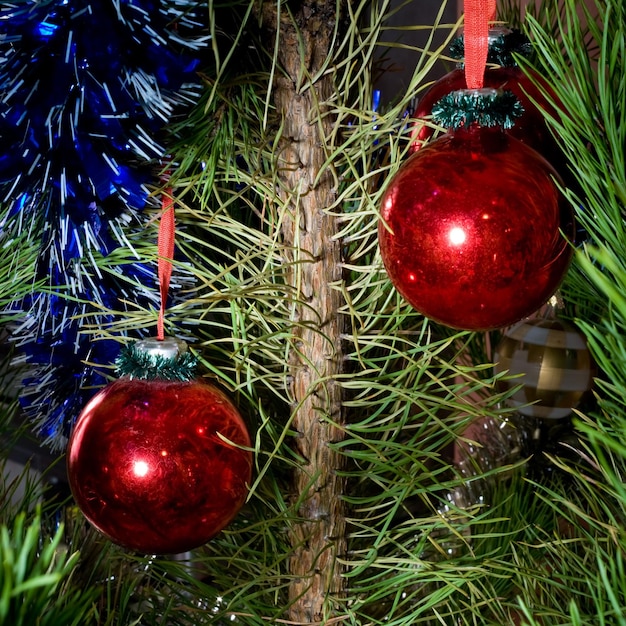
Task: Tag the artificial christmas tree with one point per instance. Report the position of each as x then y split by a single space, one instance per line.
392 482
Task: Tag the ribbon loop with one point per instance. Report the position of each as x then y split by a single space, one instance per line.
478 13
165 248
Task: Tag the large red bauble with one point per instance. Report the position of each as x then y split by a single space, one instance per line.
470 230
531 127
156 465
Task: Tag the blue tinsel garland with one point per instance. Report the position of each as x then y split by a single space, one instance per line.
87 91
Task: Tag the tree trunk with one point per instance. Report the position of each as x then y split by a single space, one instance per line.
307 188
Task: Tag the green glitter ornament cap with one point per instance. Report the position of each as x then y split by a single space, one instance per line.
504 45
484 107
157 359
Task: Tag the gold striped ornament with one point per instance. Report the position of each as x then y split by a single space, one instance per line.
551 361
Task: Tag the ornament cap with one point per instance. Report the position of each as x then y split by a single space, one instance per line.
486 107
157 359
497 31
504 45
168 348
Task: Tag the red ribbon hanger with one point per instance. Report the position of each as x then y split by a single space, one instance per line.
165 248
478 14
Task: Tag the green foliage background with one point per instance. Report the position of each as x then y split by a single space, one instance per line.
528 533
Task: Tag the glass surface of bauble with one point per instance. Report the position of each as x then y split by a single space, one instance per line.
159 467
474 233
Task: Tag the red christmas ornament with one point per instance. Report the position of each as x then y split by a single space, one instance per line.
158 466
531 127
470 231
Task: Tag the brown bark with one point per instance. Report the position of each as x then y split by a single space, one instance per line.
318 536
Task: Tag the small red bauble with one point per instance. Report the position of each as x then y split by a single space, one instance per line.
470 230
159 466
531 127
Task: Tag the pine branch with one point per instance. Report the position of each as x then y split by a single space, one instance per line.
580 46
35 582
427 539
